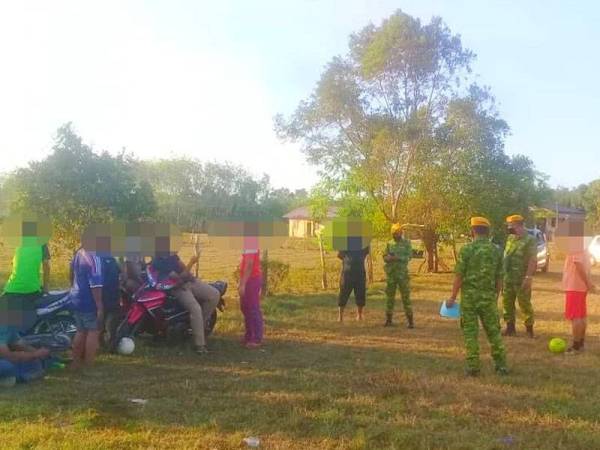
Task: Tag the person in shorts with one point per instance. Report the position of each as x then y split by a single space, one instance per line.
88 309
353 278
577 283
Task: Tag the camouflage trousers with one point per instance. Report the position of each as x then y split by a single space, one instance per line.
486 312
401 282
512 293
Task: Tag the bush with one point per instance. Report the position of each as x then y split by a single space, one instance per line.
277 273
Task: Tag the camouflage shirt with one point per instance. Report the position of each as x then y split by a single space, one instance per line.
401 249
480 266
517 253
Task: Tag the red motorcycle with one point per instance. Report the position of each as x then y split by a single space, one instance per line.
153 309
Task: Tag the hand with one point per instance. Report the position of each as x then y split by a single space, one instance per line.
450 302
242 289
42 353
526 286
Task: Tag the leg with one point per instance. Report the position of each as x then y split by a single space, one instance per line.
188 301
360 294
207 296
92 342
246 312
488 314
470 325
406 303
508 302
8 373
390 293
255 314
524 299
79 348
344 295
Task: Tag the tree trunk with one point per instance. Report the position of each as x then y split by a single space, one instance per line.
430 240
323 272
265 274
197 252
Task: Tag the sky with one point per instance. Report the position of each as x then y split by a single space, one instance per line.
205 78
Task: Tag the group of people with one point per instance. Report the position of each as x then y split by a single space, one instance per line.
98 281
483 272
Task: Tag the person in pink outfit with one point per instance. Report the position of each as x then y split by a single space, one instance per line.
250 290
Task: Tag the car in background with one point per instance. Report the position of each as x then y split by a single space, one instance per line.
543 253
594 249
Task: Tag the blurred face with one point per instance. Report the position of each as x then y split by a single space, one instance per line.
516 228
397 235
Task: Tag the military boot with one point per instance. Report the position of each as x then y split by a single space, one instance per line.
510 329
388 320
410 321
529 331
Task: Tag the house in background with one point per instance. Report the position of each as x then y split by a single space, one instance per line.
547 219
302 225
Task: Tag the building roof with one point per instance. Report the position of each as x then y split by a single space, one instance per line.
303 213
551 210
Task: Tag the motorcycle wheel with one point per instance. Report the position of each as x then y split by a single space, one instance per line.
58 324
210 324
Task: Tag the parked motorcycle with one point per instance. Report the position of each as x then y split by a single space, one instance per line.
153 309
53 315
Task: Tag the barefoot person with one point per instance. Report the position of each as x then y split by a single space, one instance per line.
353 278
479 280
577 283
88 309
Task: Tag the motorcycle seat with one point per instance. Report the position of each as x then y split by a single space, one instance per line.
47 299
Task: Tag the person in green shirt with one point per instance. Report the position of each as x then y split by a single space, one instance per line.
25 284
396 256
520 263
478 277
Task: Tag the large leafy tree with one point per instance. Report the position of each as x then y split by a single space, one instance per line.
75 187
376 109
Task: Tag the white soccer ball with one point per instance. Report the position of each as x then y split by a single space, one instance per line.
126 346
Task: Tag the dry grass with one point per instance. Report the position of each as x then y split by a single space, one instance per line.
319 384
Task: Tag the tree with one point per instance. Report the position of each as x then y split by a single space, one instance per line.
76 187
374 111
591 203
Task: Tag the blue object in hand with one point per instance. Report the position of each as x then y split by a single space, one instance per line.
450 313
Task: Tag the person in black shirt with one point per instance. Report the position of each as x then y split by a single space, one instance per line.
353 278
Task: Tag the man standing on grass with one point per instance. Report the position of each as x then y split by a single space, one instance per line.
88 309
479 280
397 254
520 263
353 278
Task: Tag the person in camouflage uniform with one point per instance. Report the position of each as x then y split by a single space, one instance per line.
520 263
479 279
397 254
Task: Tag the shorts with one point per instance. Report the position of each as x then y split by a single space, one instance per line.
86 321
356 282
575 305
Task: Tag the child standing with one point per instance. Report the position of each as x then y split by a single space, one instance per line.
249 290
577 283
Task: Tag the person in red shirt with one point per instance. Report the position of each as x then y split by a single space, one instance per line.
249 290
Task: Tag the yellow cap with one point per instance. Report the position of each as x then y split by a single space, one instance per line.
515 218
480 222
395 228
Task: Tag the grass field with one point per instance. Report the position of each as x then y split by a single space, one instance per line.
320 384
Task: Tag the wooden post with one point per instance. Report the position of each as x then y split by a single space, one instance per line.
197 252
323 272
265 273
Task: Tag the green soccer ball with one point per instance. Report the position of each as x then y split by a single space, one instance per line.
557 345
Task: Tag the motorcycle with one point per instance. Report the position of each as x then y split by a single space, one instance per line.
53 315
153 309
